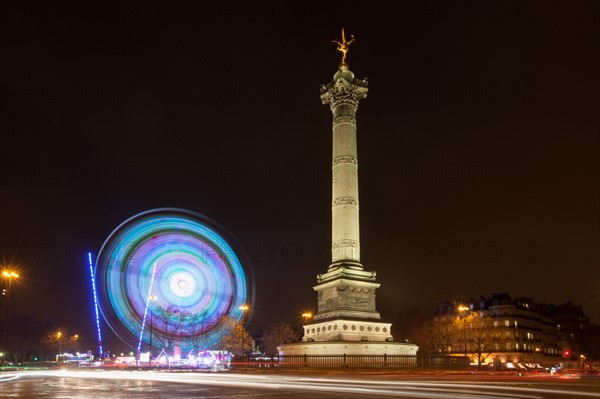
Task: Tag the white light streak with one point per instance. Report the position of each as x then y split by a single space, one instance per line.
139 348
404 388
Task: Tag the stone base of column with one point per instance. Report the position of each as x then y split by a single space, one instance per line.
344 270
347 264
350 348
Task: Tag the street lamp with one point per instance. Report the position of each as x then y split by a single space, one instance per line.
152 298
60 338
307 316
9 275
462 309
60 342
244 309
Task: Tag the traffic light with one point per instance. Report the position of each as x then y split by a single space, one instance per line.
566 353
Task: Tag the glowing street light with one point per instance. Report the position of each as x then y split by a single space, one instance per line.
60 343
60 338
307 315
7 274
244 308
152 298
463 309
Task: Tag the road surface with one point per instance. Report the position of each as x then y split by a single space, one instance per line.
178 385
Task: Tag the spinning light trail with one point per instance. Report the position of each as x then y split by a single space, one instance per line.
187 261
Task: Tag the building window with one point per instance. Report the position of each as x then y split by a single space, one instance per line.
516 324
495 323
508 346
507 323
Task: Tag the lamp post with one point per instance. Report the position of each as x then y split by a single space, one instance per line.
7 275
307 316
60 342
152 298
60 339
462 310
244 309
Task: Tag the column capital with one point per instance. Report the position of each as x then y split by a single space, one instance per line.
344 89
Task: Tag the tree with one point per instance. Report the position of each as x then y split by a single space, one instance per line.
62 341
407 326
196 330
481 336
277 334
436 336
234 337
169 321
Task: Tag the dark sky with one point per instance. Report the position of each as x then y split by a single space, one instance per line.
478 144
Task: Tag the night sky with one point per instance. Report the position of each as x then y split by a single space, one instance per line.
478 144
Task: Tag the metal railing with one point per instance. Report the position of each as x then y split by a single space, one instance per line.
347 361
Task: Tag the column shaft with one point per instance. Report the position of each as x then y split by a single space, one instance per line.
345 232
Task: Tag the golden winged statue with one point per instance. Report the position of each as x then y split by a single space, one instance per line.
343 46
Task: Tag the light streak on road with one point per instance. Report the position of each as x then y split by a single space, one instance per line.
429 389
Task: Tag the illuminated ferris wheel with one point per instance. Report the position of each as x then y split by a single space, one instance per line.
170 278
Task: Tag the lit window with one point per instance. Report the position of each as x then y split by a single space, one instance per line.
495 323
516 324
507 323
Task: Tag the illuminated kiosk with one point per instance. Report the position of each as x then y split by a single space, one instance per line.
347 322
